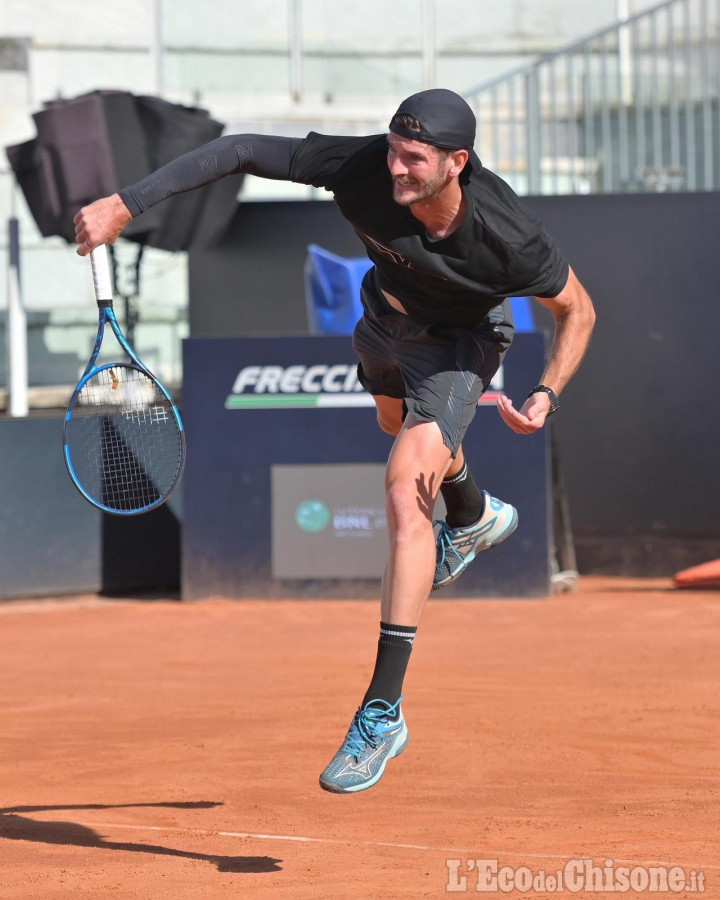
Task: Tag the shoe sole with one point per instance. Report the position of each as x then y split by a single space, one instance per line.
504 535
333 788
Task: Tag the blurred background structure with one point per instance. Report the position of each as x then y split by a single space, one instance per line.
614 104
617 95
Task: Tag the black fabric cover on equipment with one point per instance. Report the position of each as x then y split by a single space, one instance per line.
85 148
33 171
172 130
91 146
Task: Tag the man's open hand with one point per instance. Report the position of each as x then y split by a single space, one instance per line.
530 418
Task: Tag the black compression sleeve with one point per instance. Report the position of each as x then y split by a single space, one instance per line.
233 154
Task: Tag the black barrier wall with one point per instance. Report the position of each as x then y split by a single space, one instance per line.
52 541
637 433
284 484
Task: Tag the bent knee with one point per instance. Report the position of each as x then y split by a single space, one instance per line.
407 508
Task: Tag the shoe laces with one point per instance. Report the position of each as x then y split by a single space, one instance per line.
367 724
445 541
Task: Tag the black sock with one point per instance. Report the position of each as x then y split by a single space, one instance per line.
394 649
464 502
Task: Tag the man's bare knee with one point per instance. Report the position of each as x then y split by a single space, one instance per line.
406 507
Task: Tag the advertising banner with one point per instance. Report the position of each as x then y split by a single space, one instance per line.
283 491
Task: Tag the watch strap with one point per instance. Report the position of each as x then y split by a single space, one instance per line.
543 388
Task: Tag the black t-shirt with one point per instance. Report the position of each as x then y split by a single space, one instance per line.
498 251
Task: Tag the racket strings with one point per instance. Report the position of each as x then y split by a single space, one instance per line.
123 439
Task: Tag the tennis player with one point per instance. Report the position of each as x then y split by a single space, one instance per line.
450 242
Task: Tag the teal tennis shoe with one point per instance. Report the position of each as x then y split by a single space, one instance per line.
456 548
377 734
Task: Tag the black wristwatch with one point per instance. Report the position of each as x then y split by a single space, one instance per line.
554 405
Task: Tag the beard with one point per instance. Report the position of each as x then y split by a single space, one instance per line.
407 195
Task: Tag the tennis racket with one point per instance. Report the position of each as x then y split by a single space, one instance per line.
123 437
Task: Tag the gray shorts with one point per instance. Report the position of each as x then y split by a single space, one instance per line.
439 371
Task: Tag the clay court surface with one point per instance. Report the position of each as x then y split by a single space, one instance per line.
153 749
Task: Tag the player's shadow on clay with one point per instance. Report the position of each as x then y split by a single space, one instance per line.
16 827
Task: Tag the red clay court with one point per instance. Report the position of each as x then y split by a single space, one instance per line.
153 749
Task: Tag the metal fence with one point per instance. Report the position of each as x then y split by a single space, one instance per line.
633 107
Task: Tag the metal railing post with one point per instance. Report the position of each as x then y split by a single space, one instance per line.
532 128
690 161
16 329
708 148
156 48
295 41
429 44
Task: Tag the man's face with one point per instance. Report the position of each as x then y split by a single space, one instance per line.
419 171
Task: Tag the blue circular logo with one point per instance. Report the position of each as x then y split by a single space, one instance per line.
312 515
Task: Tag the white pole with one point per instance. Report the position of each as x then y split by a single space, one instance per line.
295 40
156 48
16 330
429 45
622 14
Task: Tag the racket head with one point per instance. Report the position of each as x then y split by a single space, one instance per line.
123 438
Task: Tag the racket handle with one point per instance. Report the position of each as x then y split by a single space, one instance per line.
101 275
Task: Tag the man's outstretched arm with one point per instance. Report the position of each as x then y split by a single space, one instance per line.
102 222
574 321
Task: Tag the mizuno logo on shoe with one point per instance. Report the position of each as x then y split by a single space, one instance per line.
471 537
361 768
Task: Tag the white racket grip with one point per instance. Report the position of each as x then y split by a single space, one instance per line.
101 273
